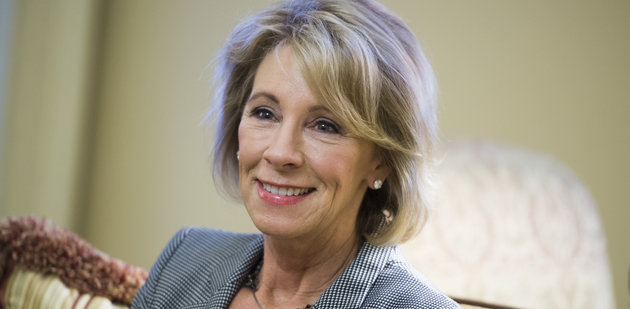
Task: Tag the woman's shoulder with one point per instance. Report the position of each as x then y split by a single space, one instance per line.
399 285
196 261
212 239
193 246
396 288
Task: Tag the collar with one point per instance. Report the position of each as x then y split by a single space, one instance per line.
347 291
234 270
351 288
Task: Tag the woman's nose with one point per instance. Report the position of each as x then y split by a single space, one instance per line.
284 150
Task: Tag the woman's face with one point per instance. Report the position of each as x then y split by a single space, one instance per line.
301 173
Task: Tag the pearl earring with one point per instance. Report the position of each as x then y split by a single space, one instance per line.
378 184
237 155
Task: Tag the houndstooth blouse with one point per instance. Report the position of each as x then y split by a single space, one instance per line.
204 268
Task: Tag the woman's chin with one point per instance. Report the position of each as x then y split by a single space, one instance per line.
279 228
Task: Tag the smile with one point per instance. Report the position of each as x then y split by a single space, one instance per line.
284 191
276 195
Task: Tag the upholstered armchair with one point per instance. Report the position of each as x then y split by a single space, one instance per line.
515 228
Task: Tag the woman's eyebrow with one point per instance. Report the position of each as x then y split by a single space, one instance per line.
319 108
264 94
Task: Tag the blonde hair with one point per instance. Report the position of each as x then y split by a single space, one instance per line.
364 65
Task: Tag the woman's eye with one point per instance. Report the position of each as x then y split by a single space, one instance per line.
327 126
263 113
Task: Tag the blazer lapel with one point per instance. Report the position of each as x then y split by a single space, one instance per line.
351 288
227 278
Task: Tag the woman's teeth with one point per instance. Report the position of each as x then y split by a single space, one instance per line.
285 191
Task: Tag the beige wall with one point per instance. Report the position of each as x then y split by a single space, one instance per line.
50 83
550 76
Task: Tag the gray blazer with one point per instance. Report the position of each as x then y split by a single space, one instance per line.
204 268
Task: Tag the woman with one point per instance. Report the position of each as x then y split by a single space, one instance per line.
327 121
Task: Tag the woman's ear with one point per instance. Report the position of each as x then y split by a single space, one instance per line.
377 176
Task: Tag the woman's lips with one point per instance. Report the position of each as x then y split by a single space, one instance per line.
278 195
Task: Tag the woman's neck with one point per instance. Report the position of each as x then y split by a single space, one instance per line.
296 272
